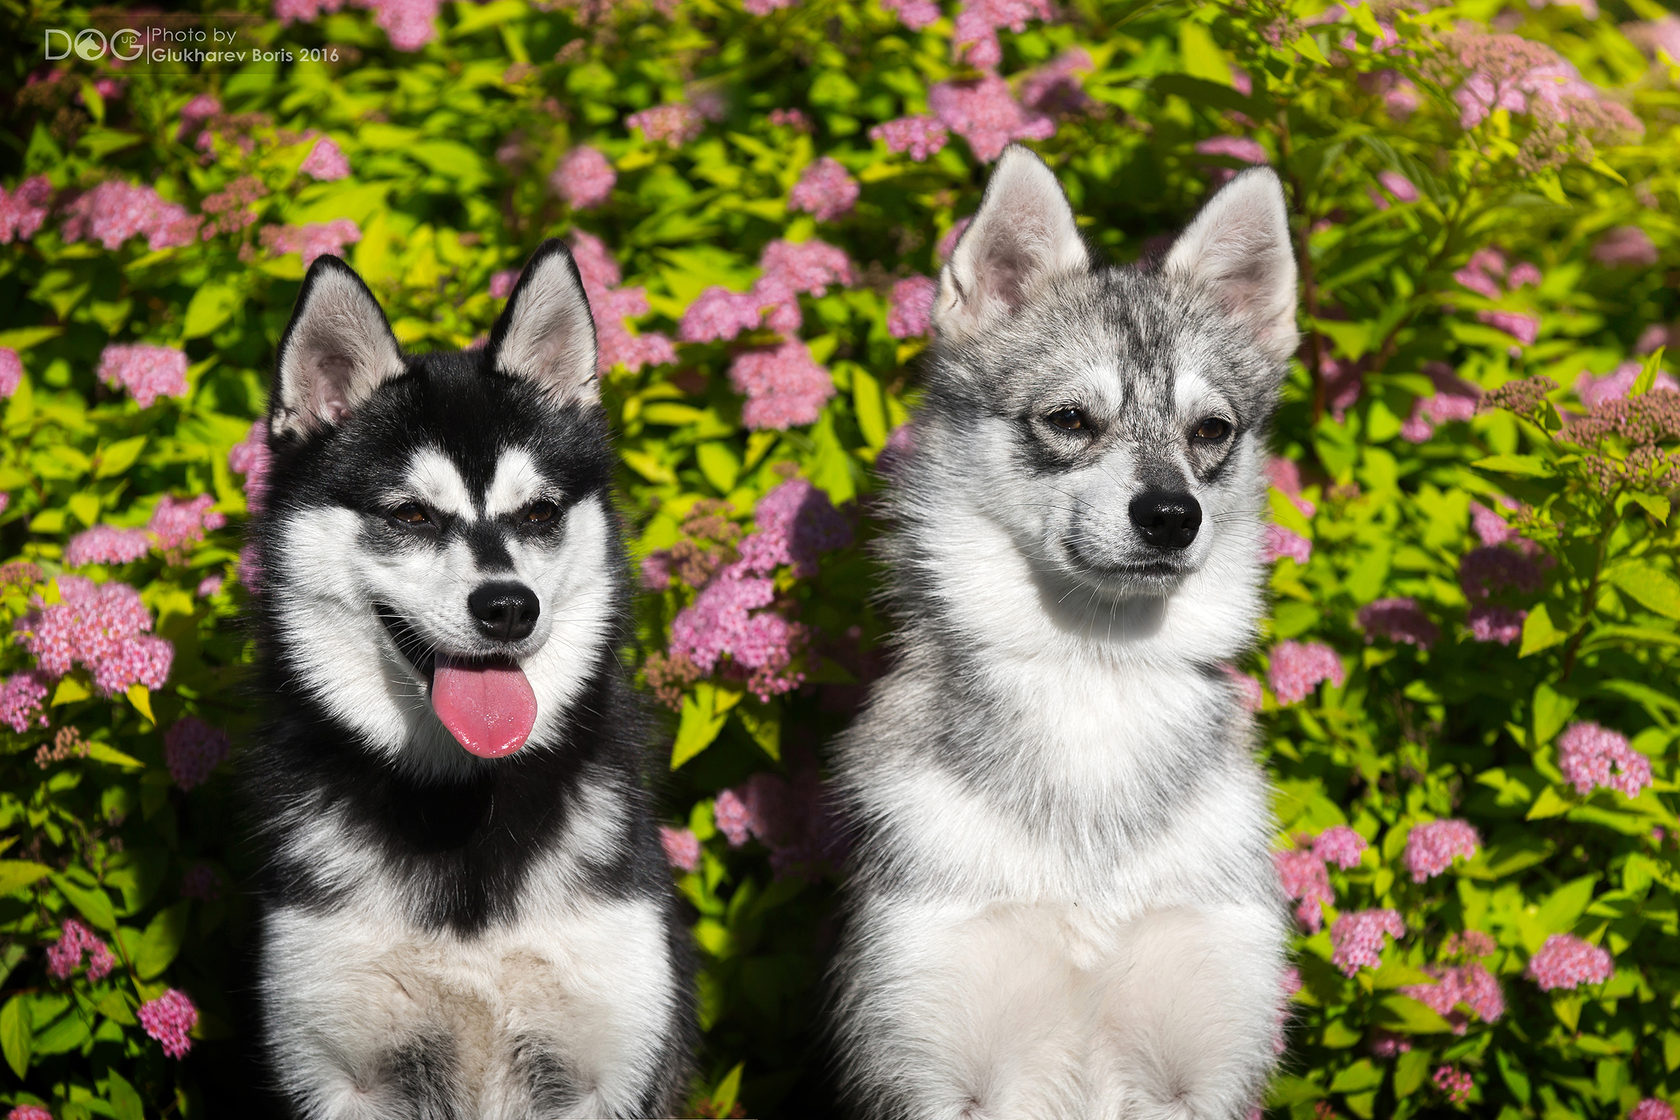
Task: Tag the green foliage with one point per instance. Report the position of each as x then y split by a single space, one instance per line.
450 149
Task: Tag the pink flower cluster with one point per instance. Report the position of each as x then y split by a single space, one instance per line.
1503 625
1455 1083
1594 757
1239 148
1286 477
914 14
1486 268
313 240
1520 325
1565 961
789 815
193 749
113 212
824 190
169 1019
250 458
1485 572
1490 528
1432 847
1651 1108
1356 938
673 124
176 525
24 208
985 113
1056 87
725 620
1399 620
21 700
106 544
29 1112
1306 881
1281 543
1299 667
147 372
583 177
75 941
326 161
1304 870
103 628
1626 247
1454 400
1525 77
975 38
1617 384
1341 846
784 385
409 24
11 371
501 283
910 307
1471 985
795 524
1253 693
194 113
610 305
921 136
682 847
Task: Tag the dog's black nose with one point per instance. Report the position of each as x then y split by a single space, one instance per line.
505 611
1166 520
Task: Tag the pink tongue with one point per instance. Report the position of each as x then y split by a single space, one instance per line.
489 708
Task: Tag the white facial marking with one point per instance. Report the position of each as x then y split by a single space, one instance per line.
516 484
437 483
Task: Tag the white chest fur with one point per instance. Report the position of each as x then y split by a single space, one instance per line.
585 988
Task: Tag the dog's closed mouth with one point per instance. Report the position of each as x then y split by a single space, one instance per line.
486 703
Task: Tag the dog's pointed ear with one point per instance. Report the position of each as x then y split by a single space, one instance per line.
1023 236
546 333
336 351
1238 247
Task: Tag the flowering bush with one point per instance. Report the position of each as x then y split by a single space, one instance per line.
1467 692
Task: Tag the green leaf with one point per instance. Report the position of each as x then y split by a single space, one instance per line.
1538 632
1650 587
159 945
1548 804
1202 56
211 306
728 1090
871 405
1528 466
1560 911
16 1041
1647 378
719 464
15 874
94 903
118 457
698 725
1655 505
124 1101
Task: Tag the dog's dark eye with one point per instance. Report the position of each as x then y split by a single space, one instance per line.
539 512
411 513
1213 429
1069 420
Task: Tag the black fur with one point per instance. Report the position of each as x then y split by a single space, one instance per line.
463 846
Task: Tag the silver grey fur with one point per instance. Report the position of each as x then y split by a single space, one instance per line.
1062 903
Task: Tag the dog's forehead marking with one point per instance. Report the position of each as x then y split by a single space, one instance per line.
438 484
517 481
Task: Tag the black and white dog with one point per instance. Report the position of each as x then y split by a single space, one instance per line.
467 912
1062 905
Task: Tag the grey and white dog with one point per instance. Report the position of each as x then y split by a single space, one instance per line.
1062 904
467 913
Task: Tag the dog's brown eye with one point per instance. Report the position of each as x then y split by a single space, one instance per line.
1213 429
539 512
411 513
1068 420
